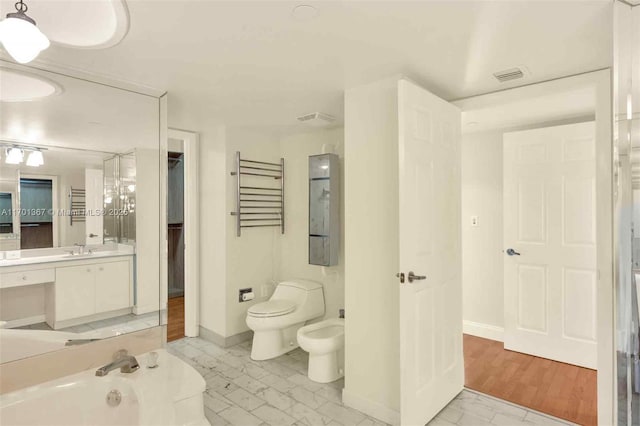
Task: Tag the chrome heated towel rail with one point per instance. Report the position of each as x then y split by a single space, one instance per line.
258 204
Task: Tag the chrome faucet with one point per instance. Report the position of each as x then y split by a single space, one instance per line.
80 248
122 360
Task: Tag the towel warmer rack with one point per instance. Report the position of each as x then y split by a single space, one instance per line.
77 205
258 206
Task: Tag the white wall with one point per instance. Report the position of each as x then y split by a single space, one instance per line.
147 231
372 345
482 257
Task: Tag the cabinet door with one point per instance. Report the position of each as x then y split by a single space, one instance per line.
113 286
75 292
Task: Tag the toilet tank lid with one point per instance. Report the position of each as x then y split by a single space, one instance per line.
302 284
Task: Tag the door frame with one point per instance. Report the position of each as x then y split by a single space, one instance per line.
601 82
191 146
55 205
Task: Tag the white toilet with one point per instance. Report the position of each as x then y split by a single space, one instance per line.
324 341
276 322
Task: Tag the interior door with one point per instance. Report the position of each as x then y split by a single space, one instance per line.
550 272
431 361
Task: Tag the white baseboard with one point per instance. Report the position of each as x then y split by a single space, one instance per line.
486 331
141 310
371 408
21 322
225 342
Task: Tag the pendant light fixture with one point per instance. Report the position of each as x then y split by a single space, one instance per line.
20 36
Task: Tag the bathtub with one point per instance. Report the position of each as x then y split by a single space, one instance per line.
170 394
17 344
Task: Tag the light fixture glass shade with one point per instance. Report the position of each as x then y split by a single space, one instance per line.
14 156
35 159
22 39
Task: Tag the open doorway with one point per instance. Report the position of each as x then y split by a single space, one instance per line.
175 242
38 227
530 247
182 235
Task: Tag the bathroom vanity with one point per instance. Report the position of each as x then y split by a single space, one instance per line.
76 288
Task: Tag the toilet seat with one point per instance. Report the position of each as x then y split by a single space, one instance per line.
272 308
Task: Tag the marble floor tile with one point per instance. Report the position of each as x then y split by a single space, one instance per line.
239 417
244 399
216 402
273 416
278 392
306 397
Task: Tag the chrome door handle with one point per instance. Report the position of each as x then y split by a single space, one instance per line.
92 235
512 252
413 277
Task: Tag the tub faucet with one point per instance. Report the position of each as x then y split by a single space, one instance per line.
122 360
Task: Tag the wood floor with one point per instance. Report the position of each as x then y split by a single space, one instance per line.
175 323
561 390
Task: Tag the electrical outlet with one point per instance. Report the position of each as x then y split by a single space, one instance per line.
474 221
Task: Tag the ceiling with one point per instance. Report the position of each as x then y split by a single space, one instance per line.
83 24
20 86
78 114
248 63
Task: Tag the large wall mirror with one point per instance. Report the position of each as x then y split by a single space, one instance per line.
80 186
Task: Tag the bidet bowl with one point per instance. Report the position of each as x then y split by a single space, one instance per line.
324 341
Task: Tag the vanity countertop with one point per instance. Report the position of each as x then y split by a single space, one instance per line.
62 255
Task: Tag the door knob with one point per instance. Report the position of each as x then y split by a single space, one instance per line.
92 235
512 252
413 277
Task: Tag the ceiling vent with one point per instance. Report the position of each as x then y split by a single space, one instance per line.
508 75
317 119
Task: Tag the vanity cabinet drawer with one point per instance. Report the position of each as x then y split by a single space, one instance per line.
16 279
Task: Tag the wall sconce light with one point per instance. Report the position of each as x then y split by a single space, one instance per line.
14 156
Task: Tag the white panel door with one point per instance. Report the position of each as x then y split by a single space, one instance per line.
94 190
431 362
550 224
